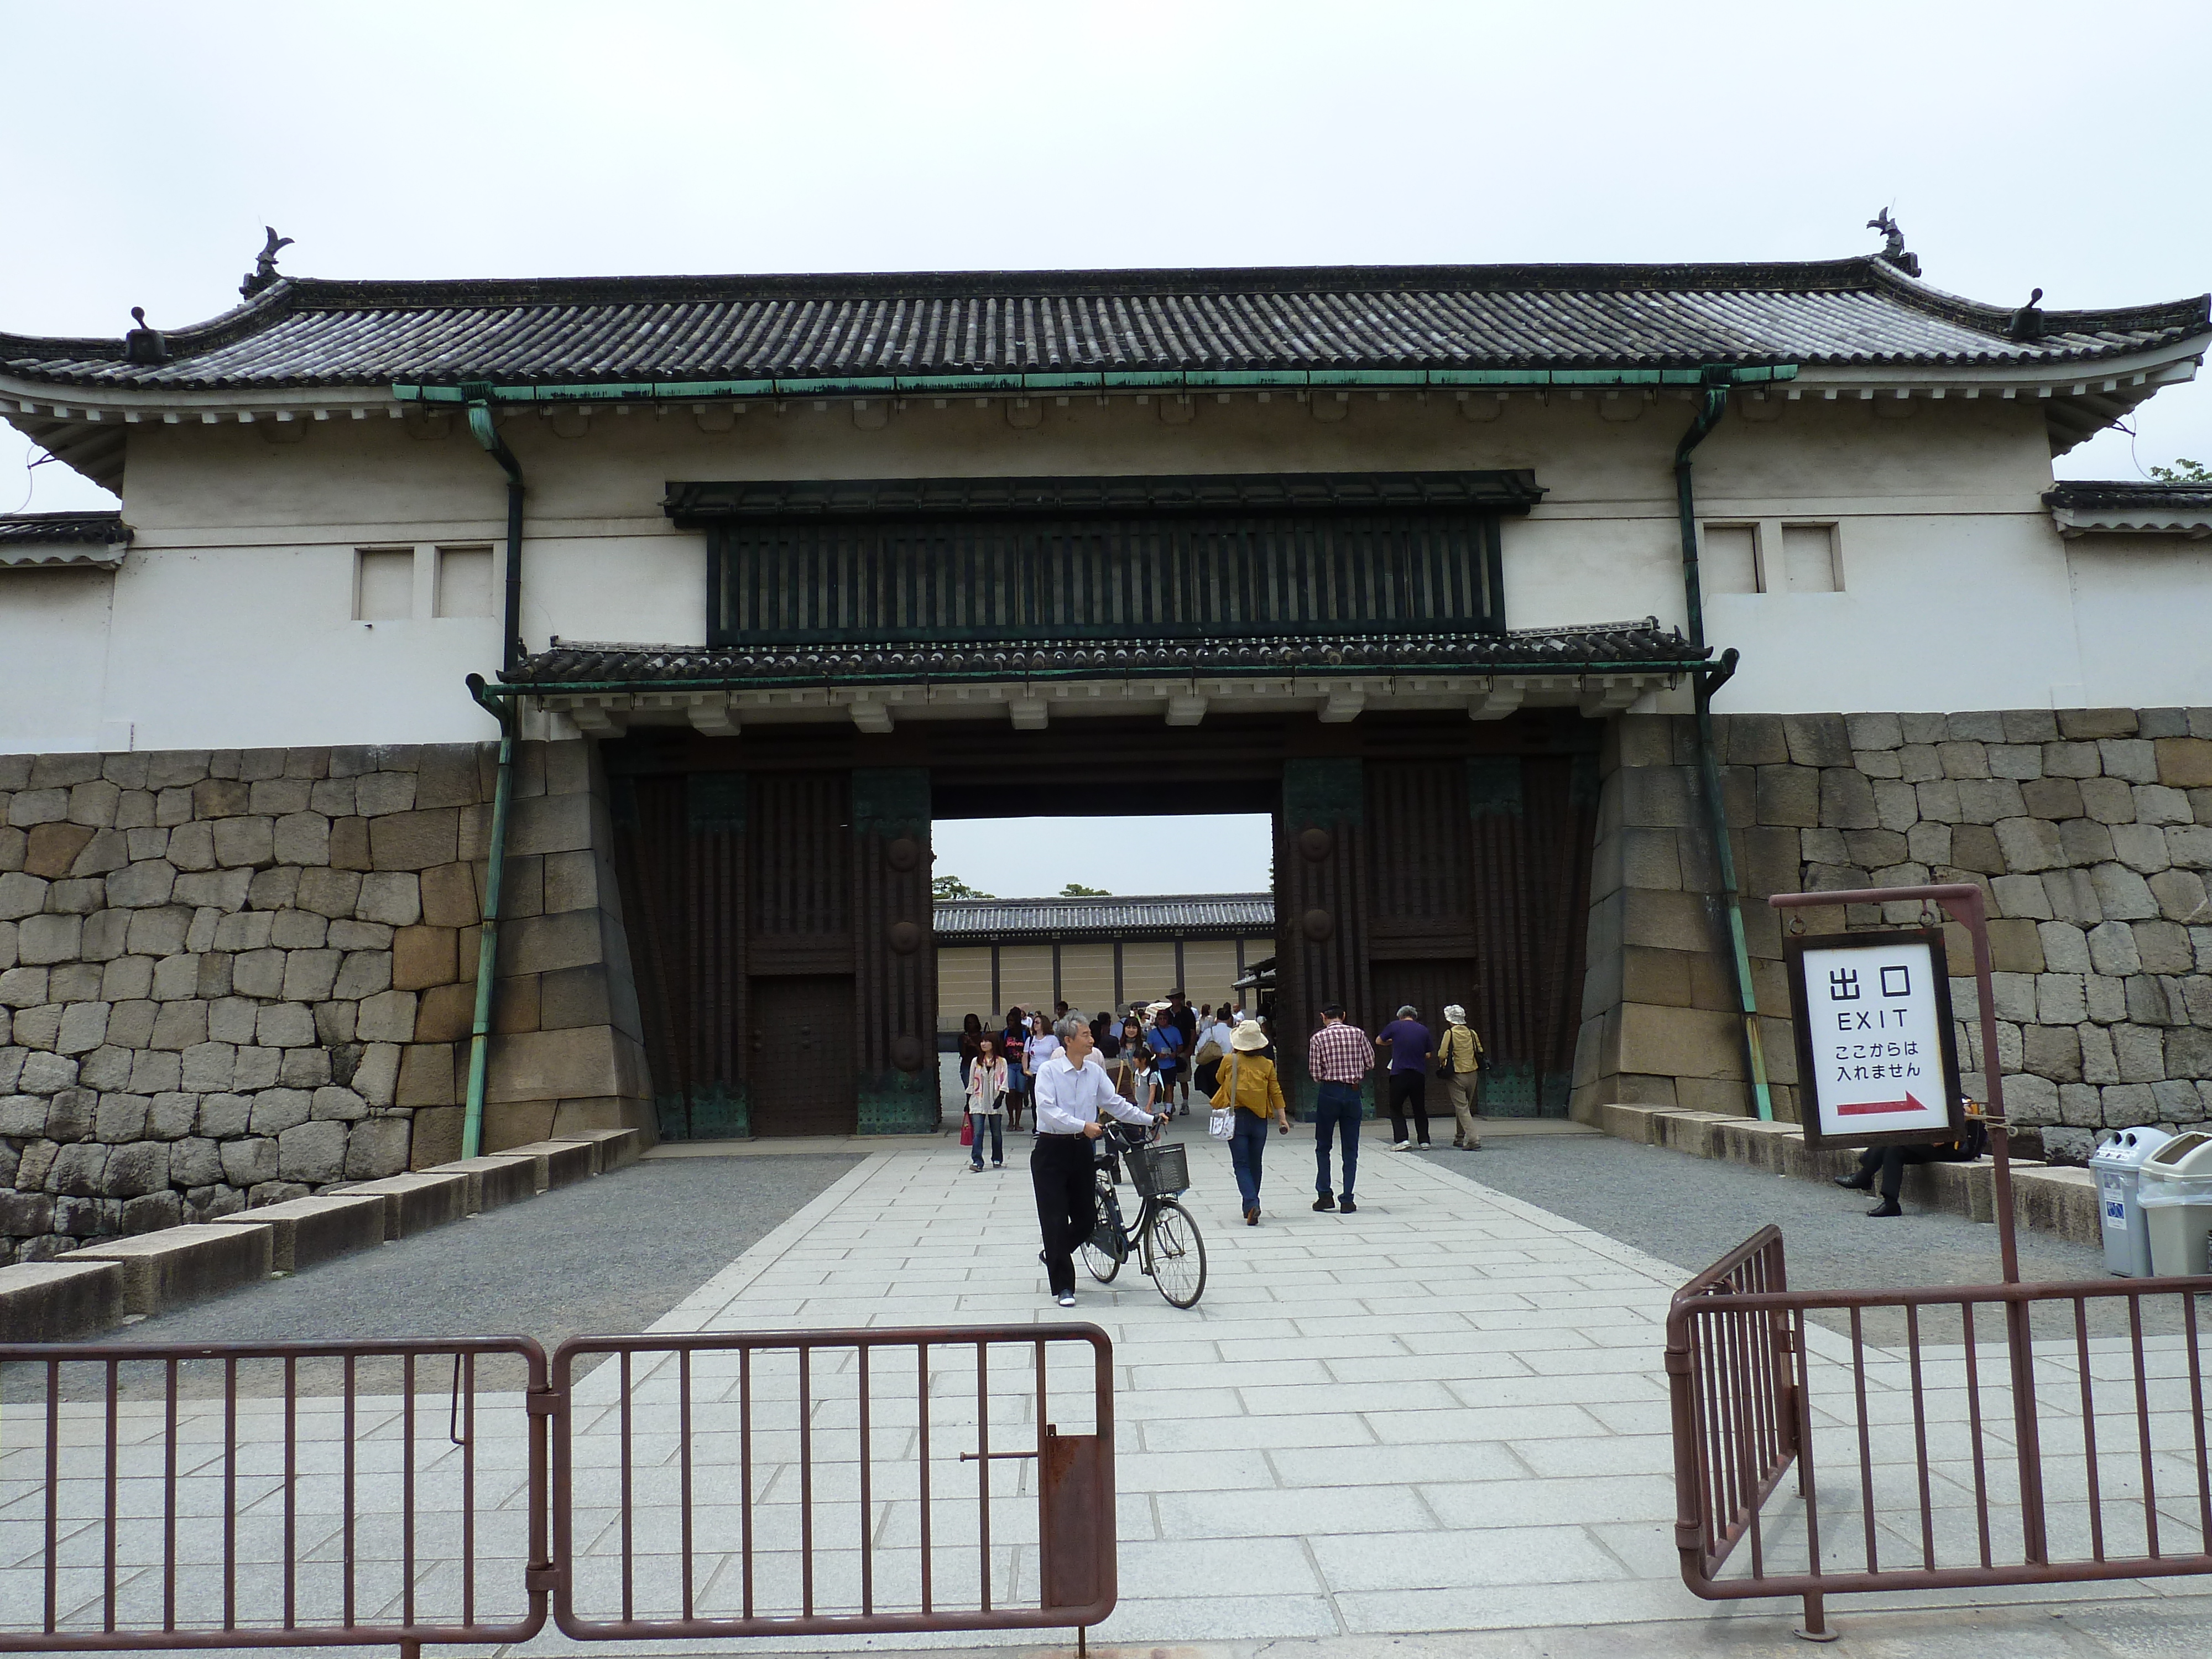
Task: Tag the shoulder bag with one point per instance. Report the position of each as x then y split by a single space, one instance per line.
1221 1125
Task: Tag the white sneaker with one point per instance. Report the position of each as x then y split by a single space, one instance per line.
1400 1146
1067 1298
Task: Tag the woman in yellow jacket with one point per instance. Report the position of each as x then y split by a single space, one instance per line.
1248 1082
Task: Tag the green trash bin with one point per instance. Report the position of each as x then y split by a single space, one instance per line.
2175 1192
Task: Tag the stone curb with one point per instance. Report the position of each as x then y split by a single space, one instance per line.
2062 1201
94 1289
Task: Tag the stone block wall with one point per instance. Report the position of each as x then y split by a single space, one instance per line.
233 977
2090 831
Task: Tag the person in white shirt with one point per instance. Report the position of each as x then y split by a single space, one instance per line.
1040 1046
1071 1089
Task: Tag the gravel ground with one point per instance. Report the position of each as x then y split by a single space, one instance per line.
1691 1210
610 1254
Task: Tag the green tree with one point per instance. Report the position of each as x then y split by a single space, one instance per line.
1076 890
951 887
2184 471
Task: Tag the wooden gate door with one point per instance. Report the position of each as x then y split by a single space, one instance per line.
803 1078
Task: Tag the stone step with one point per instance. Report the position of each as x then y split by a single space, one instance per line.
178 1264
559 1161
494 1182
58 1301
305 1230
416 1202
614 1147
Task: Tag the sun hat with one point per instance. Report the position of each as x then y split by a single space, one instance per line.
1249 1036
1454 1014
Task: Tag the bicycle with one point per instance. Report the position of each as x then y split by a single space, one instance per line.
1163 1238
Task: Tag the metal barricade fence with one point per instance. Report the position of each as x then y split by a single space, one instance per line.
300 1494
1997 1434
272 1495
834 1482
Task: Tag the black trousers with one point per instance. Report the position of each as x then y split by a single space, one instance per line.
1409 1087
1061 1169
1890 1161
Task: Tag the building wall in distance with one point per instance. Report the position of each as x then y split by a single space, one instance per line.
231 621
1086 975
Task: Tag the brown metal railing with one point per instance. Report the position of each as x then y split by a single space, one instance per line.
302 1494
2105 1433
854 1509
281 1495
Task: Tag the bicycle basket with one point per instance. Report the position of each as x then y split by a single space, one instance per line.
1158 1171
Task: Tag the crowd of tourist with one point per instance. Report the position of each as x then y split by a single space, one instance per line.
1149 1062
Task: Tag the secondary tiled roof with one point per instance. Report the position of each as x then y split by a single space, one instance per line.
1640 644
305 333
50 529
49 540
2117 507
1250 914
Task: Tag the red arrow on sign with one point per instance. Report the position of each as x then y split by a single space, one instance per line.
1871 1107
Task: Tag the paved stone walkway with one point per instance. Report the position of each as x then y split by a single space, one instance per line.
1444 1414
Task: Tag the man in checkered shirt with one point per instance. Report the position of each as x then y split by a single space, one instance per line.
1338 1058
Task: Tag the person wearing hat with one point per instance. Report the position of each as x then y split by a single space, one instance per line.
1249 1084
1460 1057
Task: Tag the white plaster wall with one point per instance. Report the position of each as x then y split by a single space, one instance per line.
232 620
53 652
2142 610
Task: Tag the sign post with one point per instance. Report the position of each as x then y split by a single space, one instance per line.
1876 1057
1855 1101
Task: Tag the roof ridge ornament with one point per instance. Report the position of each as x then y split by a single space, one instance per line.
264 265
144 345
2026 323
1892 247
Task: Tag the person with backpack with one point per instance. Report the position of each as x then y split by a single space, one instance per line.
1459 1057
1166 1041
1010 1045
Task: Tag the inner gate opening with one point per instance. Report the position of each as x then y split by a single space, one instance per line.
777 892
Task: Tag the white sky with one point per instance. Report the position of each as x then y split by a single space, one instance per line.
1034 857
2019 144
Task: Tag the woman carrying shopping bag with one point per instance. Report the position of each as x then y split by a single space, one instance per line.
1250 1089
986 1104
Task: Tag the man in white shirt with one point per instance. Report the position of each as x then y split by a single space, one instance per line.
1071 1089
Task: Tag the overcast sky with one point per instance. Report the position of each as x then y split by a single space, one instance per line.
2020 145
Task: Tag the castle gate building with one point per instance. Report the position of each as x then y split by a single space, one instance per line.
505 706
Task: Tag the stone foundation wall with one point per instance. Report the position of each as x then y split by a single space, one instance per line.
2090 830
233 977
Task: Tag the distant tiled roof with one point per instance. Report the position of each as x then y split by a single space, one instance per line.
1640 644
1248 915
62 539
306 332
2123 507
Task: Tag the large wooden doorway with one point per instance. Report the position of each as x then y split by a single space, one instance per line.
804 1080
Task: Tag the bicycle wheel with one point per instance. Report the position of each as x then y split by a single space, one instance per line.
1103 1251
1175 1254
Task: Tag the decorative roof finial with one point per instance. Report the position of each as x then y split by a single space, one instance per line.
1892 245
142 344
264 265
2028 322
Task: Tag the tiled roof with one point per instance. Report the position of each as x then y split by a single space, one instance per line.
1643 644
48 540
50 529
1250 914
2121 493
2115 507
306 332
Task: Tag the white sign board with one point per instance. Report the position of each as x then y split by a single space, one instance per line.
1876 1061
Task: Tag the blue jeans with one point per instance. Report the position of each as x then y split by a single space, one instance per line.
997 1121
1336 1110
1246 1148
